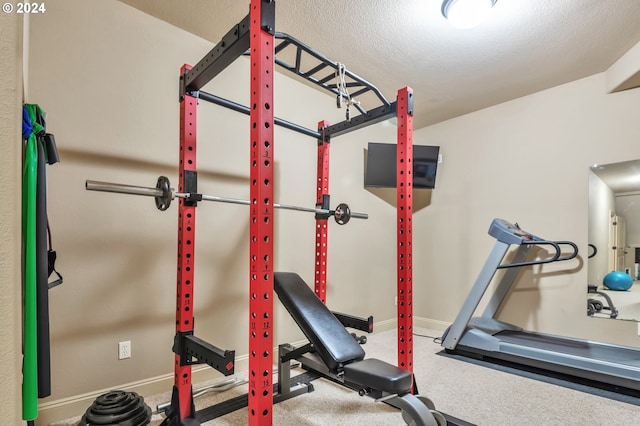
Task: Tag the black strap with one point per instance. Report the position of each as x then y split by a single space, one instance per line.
51 153
52 261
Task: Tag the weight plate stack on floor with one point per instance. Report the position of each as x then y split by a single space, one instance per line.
117 408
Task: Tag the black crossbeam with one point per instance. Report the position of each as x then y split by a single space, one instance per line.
227 50
300 384
373 116
245 110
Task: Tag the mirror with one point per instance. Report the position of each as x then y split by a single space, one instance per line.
614 241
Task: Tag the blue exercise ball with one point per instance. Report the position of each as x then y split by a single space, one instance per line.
617 280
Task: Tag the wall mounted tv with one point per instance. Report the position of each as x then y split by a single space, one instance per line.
381 169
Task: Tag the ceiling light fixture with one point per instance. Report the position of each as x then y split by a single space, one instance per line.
466 13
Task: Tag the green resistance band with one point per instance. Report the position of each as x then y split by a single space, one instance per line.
30 334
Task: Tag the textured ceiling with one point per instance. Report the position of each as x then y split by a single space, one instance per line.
523 47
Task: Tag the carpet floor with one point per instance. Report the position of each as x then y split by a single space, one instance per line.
471 392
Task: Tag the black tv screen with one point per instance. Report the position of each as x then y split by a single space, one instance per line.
381 165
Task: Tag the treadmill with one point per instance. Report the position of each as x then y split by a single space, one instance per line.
485 337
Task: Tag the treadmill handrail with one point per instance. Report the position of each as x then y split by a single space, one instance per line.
570 256
554 258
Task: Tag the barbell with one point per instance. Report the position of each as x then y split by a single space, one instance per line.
164 194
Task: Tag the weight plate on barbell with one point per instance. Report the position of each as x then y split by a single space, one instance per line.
342 214
163 202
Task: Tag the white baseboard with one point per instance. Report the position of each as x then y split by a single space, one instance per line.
385 325
430 323
76 405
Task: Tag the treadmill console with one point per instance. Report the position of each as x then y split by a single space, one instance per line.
509 233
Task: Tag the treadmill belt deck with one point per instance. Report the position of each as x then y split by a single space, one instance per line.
579 348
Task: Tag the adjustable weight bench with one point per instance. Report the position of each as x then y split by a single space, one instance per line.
333 352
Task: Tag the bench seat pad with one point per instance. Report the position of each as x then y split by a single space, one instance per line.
376 374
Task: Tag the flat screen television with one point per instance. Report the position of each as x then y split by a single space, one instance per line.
381 166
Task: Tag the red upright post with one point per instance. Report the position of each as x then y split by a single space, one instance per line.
261 219
404 225
322 230
186 248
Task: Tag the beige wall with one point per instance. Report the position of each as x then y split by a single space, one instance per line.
10 160
107 75
526 161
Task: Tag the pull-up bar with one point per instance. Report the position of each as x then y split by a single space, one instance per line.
357 82
236 43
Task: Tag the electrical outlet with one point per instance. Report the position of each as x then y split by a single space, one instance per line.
124 350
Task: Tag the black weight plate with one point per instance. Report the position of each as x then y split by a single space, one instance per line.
342 214
117 408
163 202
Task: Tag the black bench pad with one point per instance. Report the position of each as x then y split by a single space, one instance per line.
375 374
332 341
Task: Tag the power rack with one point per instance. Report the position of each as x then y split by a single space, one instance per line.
256 38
